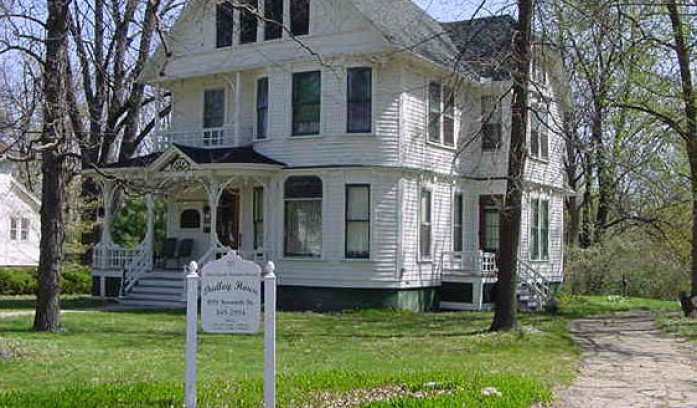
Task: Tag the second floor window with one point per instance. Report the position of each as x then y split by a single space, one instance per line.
441 114
248 21
491 123
224 24
19 229
300 17
357 221
425 224
307 92
539 139
262 108
273 13
213 108
359 100
539 229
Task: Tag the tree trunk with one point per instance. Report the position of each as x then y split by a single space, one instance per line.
53 174
505 312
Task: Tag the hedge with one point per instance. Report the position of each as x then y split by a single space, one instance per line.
75 280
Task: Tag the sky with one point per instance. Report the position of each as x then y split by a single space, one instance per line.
450 10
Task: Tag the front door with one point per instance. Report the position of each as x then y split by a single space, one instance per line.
228 227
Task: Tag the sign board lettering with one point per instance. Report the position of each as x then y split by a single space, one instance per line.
231 296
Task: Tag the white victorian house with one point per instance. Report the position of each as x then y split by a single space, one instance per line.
359 144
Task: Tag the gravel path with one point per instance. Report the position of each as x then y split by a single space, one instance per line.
629 362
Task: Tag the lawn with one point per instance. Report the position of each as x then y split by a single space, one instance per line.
128 359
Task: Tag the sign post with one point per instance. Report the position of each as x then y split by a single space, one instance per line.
191 334
270 337
231 303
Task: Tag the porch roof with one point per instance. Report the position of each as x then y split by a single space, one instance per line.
222 155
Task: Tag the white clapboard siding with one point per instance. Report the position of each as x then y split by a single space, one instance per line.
18 203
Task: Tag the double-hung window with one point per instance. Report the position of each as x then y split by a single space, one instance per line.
273 14
441 114
539 229
303 217
262 108
258 217
307 93
491 123
300 17
19 229
539 139
248 21
224 24
458 215
213 117
359 100
425 225
357 221
489 222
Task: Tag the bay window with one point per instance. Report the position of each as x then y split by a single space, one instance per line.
303 217
357 221
262 108
425 223
307 91
359 100
539 229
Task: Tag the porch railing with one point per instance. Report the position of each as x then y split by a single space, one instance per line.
538 286
135 268
213 137
112 257
469 262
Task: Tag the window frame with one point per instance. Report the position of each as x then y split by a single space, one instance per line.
286 200
224 10
294 107
191 211
425 256
347 221
539 132
539 245
491 117
292 24
458 222
257 134
349 101
14 228
246 17
258 208
269 33
438 111
25 226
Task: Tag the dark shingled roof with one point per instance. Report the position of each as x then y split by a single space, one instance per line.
141 161
485 44
230 155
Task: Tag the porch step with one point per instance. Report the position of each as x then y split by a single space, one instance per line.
157 290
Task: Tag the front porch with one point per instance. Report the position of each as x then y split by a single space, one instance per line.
467 280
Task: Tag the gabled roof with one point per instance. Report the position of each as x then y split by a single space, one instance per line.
485 44
222 155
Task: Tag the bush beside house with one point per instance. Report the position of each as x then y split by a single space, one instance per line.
22 281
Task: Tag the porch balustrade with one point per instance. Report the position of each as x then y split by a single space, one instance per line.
213 137
477 263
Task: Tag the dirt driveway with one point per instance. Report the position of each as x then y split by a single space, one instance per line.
629 362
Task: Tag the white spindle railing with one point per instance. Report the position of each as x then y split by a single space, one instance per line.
471 262
213 137
111 257
136 267
535 282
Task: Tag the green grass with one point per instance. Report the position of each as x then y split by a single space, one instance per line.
678 324
578 306
103 359
69 302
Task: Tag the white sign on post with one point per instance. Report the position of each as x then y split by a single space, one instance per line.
231 296
231 303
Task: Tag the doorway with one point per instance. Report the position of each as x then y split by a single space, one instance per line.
228 224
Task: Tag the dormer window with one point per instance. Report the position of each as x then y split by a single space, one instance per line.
248 21
300 17
224 23
273 13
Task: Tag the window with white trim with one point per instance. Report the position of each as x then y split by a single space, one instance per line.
258 216
248 21
357 221
458 217
224 24
273 14
359 95
19 228
300 17
441 114
425 223
303 217
213 117
539 229
539 137
491 122
262 108
307 104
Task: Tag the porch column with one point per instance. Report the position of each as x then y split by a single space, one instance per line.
214 190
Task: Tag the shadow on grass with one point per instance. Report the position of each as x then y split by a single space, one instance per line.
85 302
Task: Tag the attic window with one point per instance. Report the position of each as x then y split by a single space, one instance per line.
300 17
224 23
